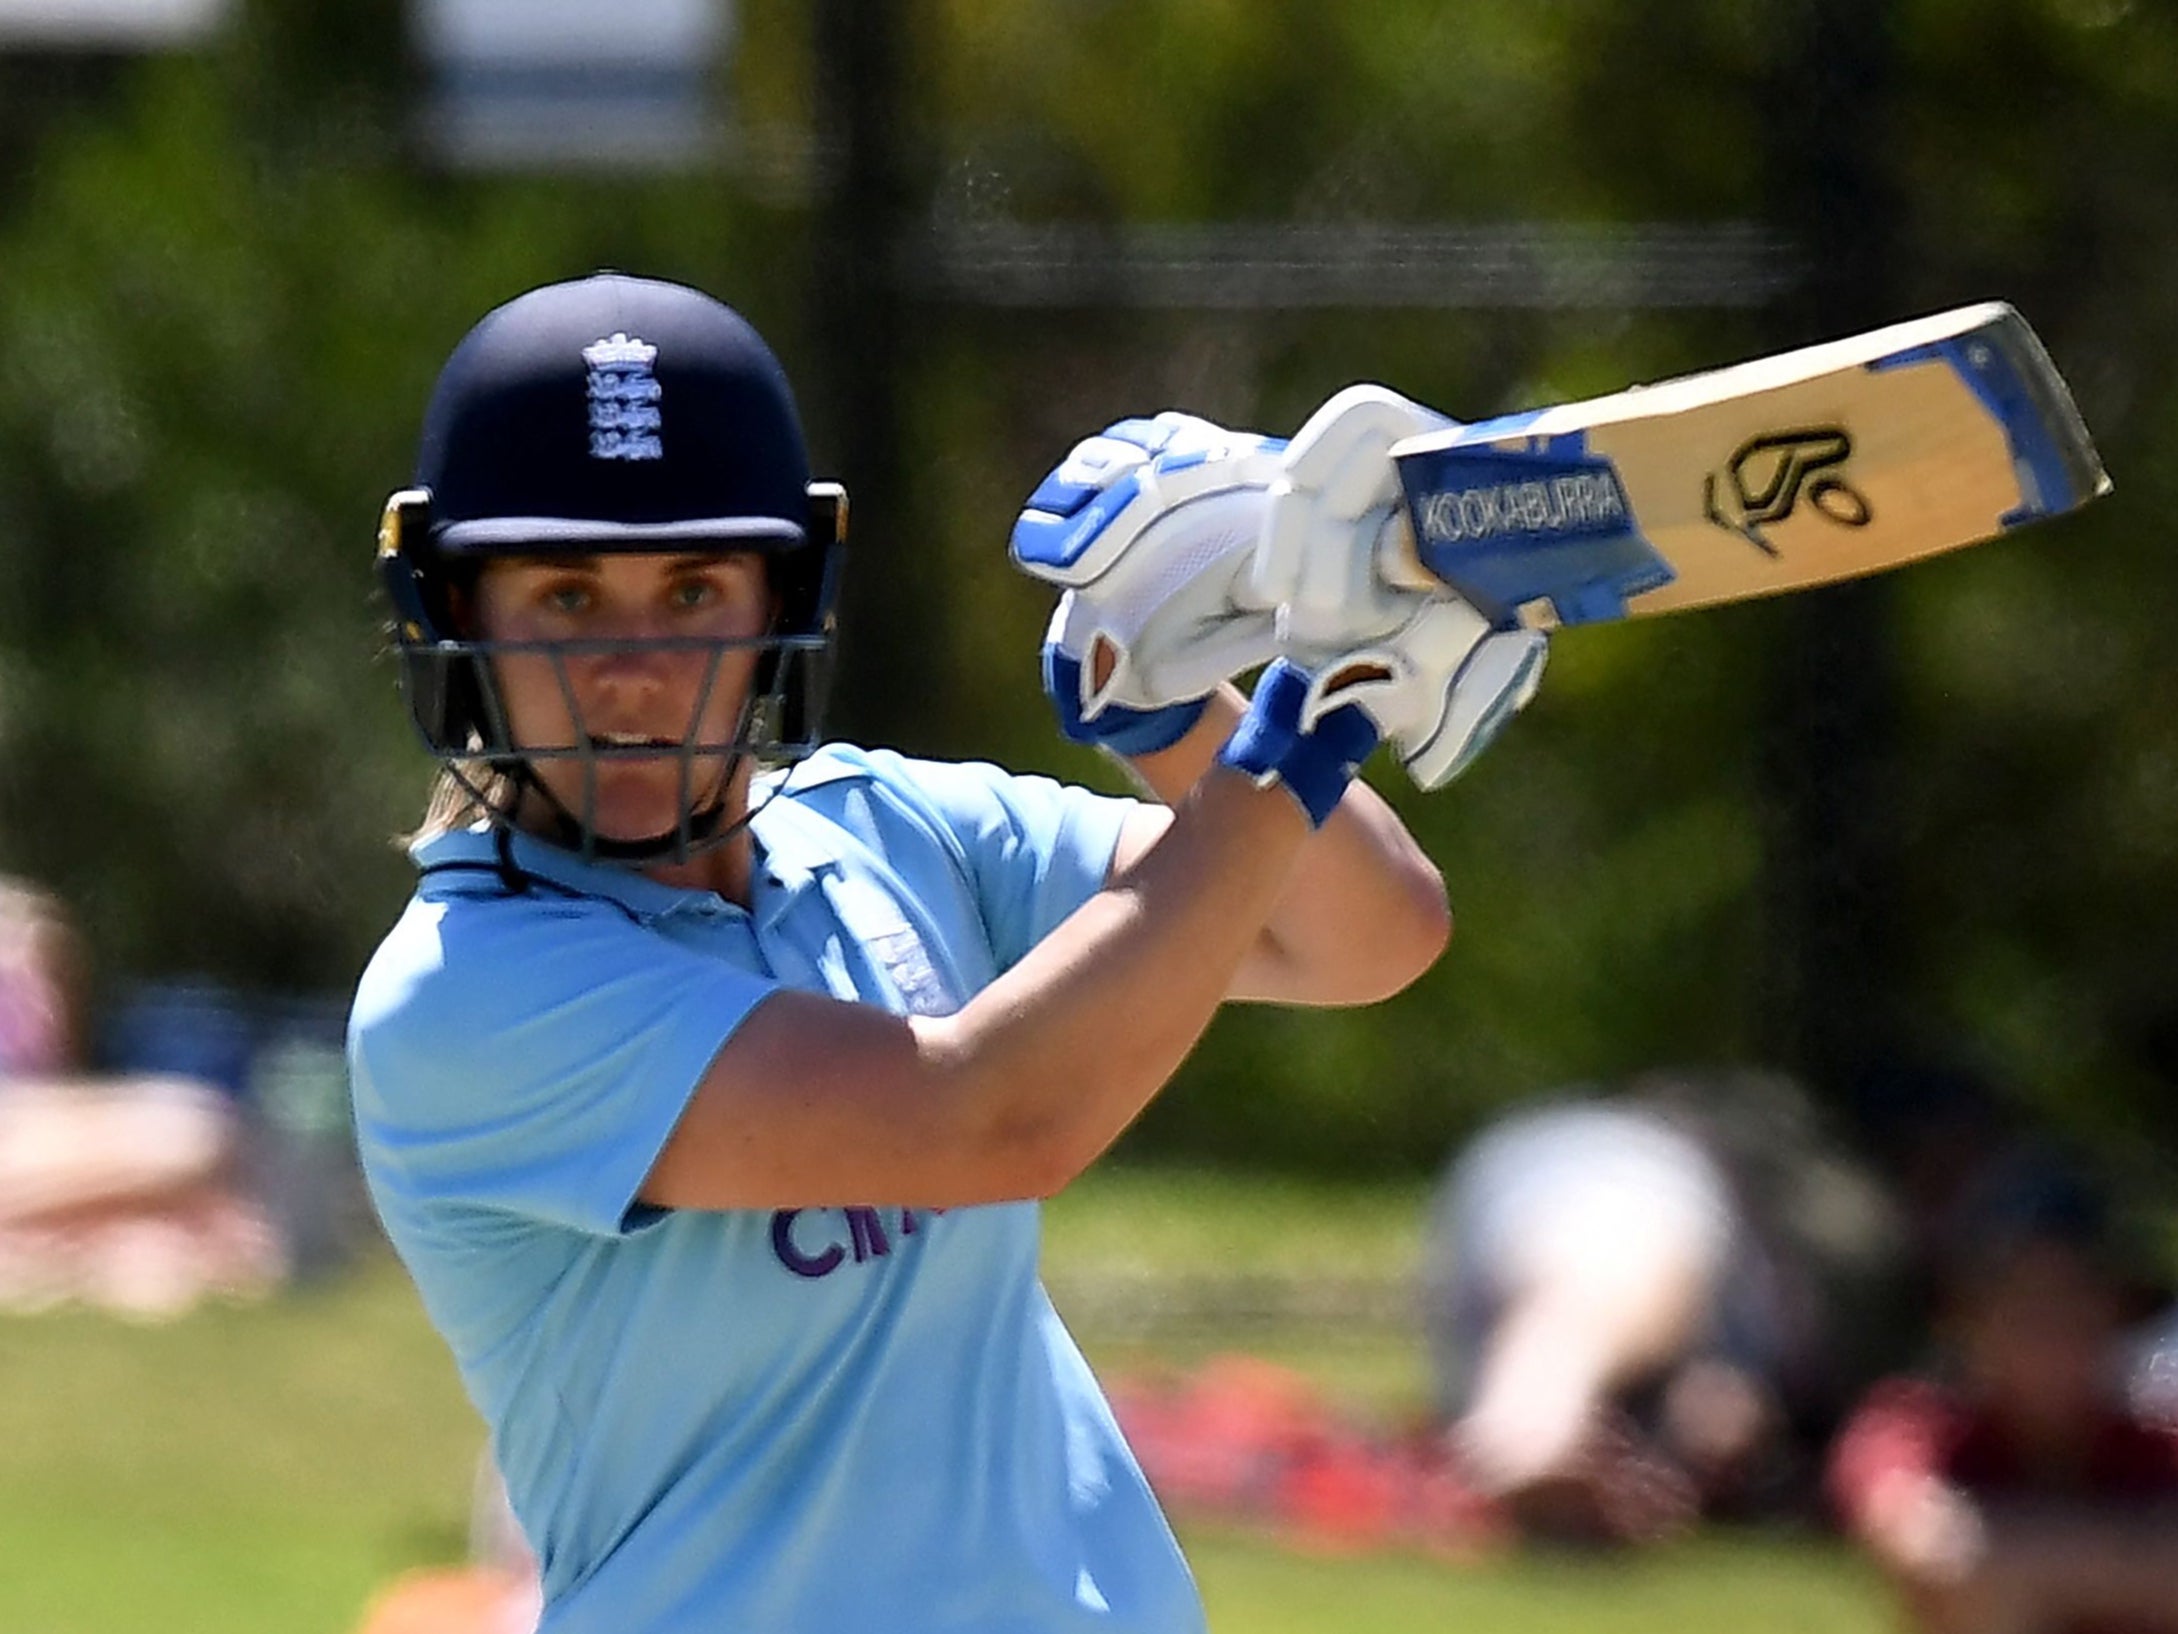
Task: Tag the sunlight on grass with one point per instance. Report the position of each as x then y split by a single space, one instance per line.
1715 1586
262 1470
1173 1221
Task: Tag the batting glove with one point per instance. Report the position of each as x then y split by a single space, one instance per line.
1335 549
1150 530
1359 613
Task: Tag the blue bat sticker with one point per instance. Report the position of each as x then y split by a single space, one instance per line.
1550 522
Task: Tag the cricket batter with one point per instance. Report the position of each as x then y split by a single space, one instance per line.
709 1082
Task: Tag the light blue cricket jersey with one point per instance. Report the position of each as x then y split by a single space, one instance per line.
818 1421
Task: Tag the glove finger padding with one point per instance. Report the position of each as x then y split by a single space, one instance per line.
1440 686
1086 517
1335 497
1082 673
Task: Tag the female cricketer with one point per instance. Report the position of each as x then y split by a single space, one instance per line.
709 1083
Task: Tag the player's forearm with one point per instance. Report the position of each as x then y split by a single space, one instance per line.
1048 1064
1364 912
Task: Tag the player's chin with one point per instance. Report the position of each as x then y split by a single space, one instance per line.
640 799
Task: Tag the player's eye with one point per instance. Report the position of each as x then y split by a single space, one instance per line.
568 596
694 592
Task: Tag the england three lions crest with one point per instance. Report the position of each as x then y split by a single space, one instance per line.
625 423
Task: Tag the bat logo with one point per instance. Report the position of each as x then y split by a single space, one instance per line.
1768 476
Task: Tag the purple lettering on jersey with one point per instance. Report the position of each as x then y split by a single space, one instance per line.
802 1265
868 1233
867 1239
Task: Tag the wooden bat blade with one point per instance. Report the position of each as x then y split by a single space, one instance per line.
1814 465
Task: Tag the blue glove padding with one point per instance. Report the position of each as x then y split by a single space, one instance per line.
1115 727
1315 765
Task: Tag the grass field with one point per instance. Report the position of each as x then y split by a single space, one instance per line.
260 1471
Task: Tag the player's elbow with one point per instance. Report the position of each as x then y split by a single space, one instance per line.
1022 1156
1007 1138
1051 1161
1408 941
1429 923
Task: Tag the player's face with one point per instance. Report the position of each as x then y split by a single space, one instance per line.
638 705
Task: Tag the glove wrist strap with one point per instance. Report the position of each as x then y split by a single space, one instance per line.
1314 765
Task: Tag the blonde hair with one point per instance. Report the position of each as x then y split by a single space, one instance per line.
454 804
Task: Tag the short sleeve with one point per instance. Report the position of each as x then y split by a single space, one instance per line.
532 1057
1035 849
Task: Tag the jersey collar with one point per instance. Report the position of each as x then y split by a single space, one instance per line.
786 851
467 854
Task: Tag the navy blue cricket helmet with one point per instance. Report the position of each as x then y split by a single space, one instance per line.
608 414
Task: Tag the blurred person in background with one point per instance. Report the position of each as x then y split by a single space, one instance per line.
2016 1489
120 1192
41 983
1932 1126
709 1108
1646 1308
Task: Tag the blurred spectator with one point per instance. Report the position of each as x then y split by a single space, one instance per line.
1932 1127
40 985
2018 1489
1647 1308
119 1192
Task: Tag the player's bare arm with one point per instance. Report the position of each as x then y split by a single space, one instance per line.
814 1101
1030 1081
1364 911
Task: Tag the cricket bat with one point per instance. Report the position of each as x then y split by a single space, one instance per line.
1814 465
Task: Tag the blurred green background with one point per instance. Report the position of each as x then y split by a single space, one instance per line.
1928 816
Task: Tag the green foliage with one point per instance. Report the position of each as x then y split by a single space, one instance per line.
213 356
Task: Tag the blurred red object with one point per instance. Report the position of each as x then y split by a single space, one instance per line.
1245 1441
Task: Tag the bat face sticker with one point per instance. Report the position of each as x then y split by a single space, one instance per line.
1768 476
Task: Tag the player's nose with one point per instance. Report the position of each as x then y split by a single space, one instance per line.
631 657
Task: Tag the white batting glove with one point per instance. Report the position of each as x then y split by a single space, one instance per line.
1151 528
1334 539
1440 685
1335 553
